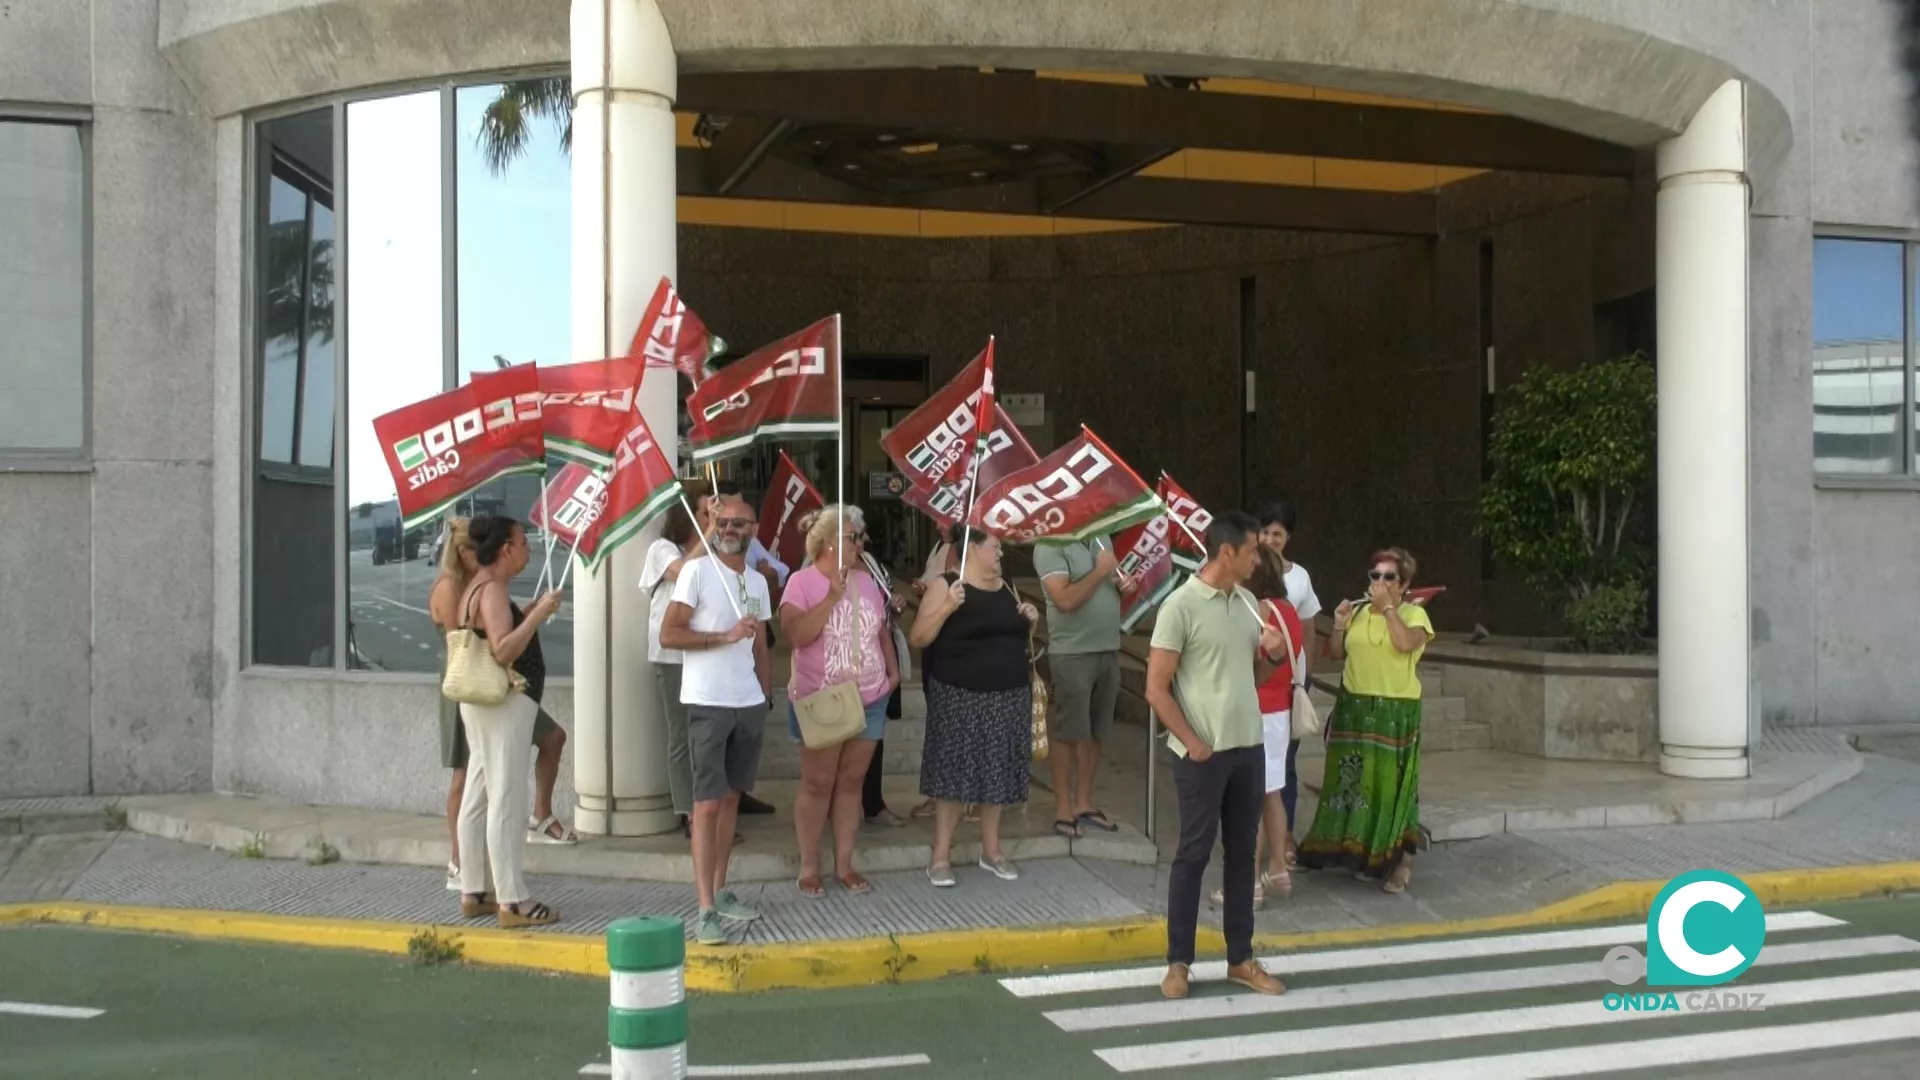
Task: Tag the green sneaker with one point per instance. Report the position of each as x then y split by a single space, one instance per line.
710 930
730 907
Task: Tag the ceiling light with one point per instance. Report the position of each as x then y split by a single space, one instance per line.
887 136
978 174
1019 148
851 166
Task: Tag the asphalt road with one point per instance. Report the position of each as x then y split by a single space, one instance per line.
1842 998
391 630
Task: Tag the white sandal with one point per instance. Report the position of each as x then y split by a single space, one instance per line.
538 832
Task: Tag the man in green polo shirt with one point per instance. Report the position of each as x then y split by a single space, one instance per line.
1083 587
1210 652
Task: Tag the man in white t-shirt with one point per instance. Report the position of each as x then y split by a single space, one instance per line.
717 621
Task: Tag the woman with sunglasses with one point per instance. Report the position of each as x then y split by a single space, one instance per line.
1369 815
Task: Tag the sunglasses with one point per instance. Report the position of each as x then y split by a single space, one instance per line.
733 523
1382 575
855 538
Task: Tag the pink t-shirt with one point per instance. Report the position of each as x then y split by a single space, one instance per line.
831 658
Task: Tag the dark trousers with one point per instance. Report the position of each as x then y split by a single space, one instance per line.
1291 796
1218 797
871 802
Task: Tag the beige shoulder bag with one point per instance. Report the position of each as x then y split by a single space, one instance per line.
1303 718
834 714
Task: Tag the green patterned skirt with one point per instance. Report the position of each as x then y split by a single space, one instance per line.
1369 811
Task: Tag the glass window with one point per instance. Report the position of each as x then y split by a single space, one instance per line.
394 358
514 199
293 495
1861 411
43 318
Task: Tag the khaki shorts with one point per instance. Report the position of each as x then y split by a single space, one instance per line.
725 747
1085 692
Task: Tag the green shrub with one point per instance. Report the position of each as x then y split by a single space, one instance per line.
1573 457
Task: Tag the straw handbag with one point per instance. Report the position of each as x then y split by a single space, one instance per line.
473 676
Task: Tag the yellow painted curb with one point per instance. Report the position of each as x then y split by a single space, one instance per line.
916 957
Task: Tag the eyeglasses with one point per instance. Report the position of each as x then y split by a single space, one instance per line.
855 538
733 523
1382 575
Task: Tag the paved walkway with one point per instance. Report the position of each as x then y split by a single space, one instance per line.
1875 818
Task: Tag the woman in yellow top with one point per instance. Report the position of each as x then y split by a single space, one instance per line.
1369 815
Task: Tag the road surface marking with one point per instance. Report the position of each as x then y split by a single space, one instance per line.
1503 1022
1377 956
409 637
424 645
404 607
793 1068
1653 1053
1432 986
52 1012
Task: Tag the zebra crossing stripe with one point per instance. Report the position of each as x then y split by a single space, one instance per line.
1426 1029
49 1012
1106 1017
1084 982
1652 1053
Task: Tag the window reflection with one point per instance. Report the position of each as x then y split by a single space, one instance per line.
514 230
293 495
394 358
1859 355
42 287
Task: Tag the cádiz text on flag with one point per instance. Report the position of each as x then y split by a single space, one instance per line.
441 449
786 389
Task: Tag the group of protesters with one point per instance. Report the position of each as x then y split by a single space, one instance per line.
1231 651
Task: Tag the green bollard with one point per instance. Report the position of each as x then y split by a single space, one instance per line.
647 1020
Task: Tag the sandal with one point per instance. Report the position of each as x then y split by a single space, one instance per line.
1099 820
855 884
1397 881
518 916
475 906
812 887
544 832
1068 829
1219 896
1280 884
888 818
925 809
971 815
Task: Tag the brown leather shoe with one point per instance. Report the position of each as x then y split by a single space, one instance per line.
1255 978
1174 986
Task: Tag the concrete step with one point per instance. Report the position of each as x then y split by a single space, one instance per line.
1461 735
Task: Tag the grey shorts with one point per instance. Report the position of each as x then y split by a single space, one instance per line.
725 747
1085 691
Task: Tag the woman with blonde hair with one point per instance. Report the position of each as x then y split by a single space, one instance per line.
457 567
1369 815
834 615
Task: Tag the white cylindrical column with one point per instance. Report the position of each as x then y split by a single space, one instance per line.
1701 283
624 79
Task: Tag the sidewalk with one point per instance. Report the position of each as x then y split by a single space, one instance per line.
1873 819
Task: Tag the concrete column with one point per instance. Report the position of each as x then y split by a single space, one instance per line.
1706 684
624 79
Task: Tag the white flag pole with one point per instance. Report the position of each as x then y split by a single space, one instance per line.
546 529
695 518
572 553
973 483
840 438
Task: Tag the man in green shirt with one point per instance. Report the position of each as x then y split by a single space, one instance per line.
1083 587
1210 652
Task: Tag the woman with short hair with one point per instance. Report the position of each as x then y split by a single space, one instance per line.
1369 815
835 616
979 740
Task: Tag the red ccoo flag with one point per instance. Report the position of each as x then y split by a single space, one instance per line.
1007 450
640 485
1079 491
1188 552
786 389
931 445
1145 556
441 449
671 335
790 498
570 504
584 407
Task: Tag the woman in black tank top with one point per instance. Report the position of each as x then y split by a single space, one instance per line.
979 703
493 809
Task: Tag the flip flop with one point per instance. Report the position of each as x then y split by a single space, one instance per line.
1099 820
856 884
812 887
1068 829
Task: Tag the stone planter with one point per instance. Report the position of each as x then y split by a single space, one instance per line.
1567 706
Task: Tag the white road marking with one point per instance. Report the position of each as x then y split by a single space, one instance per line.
1431 1029
1653 1053
793 1068
1431 986
424 645
51 1012
409 637
404 607
1376 956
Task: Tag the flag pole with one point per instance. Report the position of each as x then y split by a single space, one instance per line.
546 571
572 553
973 472
695 518
839 436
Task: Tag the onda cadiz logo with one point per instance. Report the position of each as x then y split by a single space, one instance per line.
1704 929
